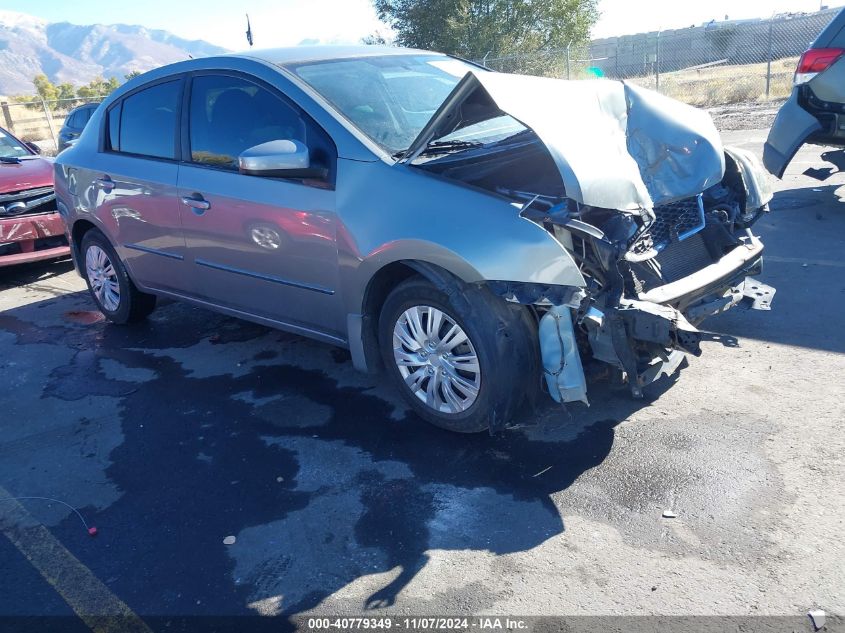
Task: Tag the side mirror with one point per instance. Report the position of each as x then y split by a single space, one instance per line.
33 147
279 159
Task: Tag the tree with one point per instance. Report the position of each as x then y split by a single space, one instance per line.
66 96
475 28
45 88
377 37
66 90
97 88
131 75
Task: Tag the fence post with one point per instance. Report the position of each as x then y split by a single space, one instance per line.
616 61
10 125
657 64
568 71
50 122
769 59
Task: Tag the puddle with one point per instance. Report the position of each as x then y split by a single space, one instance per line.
84 317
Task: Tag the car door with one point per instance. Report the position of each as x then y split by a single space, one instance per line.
260 245
133 185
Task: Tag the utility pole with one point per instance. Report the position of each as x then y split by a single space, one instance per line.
657 64
769 59
568 61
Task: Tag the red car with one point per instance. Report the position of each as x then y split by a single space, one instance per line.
30 226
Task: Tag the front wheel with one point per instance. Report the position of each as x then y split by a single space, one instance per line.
116 296
456 359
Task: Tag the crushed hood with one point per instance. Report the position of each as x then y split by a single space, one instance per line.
616 145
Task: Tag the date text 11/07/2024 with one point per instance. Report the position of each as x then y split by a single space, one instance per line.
486 623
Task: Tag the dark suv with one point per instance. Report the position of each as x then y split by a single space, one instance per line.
75 122
815 112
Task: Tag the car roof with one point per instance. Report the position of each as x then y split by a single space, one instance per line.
297 54
833 34
83 106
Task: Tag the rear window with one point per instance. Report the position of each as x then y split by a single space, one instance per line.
145 122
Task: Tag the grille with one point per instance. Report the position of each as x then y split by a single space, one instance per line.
676 222
41 244
680 259
27 202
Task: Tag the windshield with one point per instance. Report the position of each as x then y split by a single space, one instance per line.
10 147
390 98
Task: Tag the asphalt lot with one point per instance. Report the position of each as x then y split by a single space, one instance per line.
172 435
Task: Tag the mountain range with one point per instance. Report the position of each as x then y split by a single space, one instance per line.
77 54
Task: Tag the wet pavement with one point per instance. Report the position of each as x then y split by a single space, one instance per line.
174 434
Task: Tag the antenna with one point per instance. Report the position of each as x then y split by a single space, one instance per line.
248 31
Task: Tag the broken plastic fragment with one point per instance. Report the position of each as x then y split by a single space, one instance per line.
668 514
561 361
229 540
818 618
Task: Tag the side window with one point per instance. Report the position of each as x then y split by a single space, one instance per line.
145 122
229 115
113 116
85 116
73 120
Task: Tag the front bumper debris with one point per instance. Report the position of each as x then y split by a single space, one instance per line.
642 339
737 261
561 359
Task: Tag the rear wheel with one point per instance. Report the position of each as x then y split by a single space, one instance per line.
110 286
452 357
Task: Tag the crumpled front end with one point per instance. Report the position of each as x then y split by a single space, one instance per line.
30 227
652 281
651 278
639 190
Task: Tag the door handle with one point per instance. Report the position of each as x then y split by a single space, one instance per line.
105 183
197 203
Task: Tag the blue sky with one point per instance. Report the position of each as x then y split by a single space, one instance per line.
289 22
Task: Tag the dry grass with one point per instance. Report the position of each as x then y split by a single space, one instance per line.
721 85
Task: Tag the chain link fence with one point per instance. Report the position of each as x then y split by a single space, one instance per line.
716 64
39 121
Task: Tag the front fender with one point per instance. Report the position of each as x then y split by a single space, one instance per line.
758 189
410 215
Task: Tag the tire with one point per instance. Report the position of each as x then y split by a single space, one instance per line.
422 360
104 273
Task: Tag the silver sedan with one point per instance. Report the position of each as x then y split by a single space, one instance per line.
477 236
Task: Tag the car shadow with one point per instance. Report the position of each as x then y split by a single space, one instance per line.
804 237
23 274
323 482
